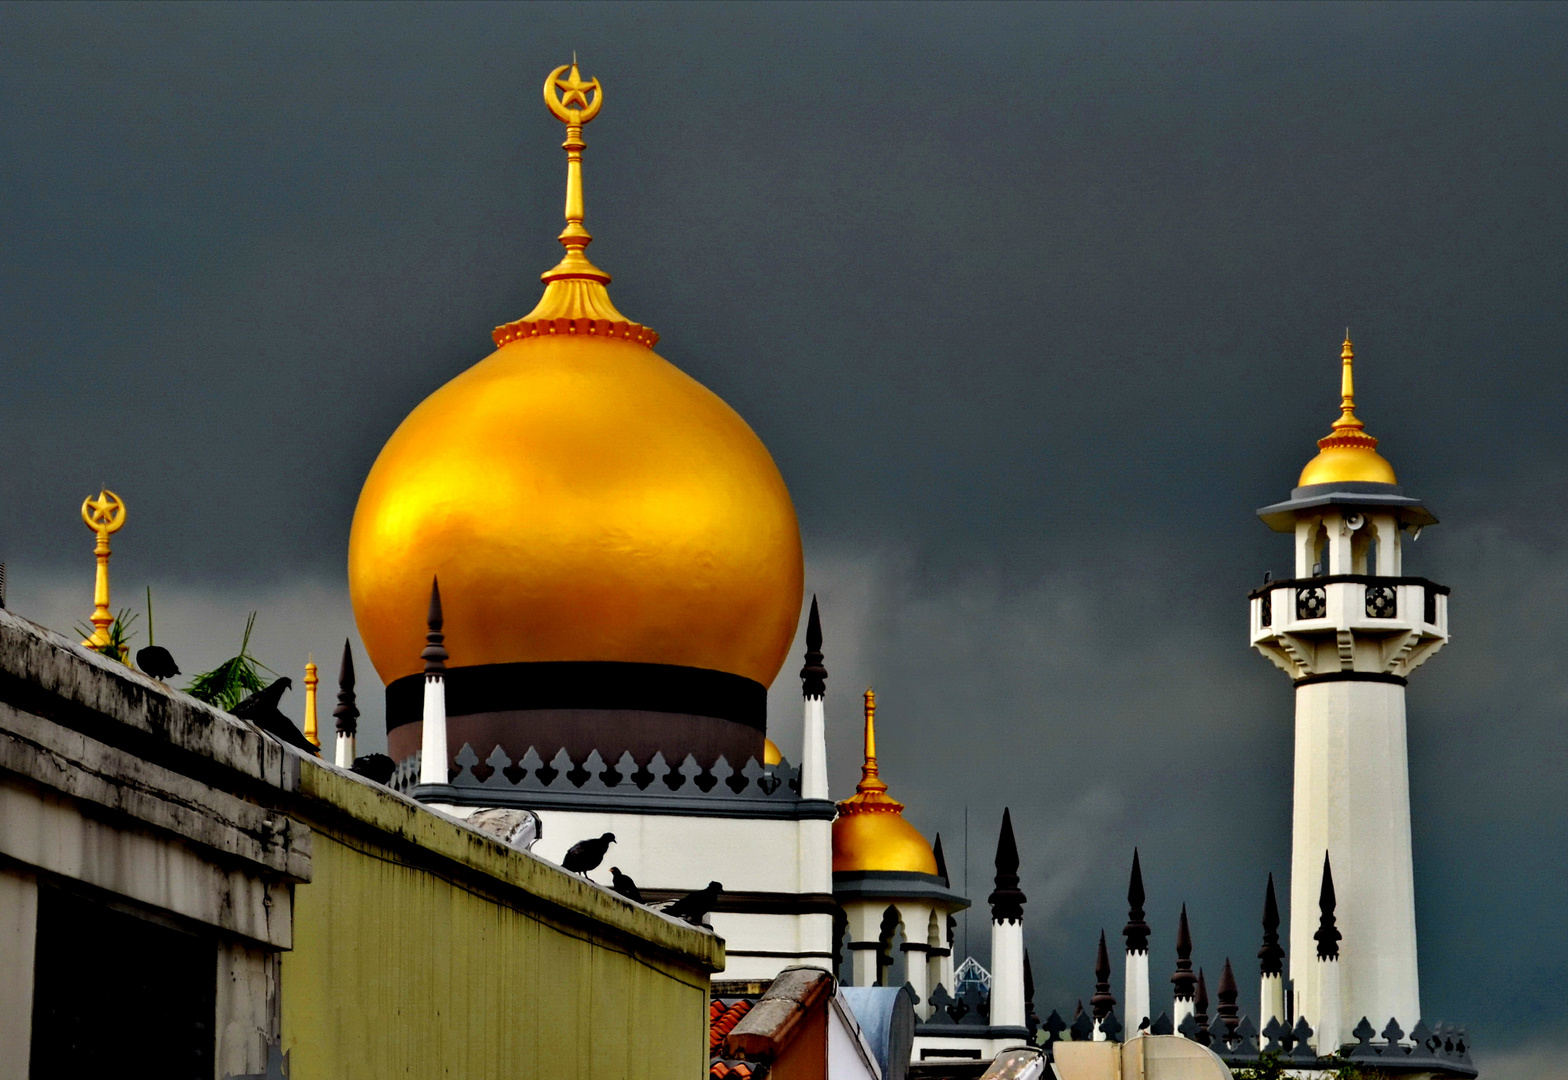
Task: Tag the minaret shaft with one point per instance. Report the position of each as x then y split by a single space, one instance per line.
1352 800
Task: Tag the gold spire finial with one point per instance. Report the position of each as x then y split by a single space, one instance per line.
871 792
575 300
312 680
1348 420
104 515
1347 453
574 103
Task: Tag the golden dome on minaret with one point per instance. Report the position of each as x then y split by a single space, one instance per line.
870 832
580 498
1347 454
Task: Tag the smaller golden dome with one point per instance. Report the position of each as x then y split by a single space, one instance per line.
771 755
870 832
1347 454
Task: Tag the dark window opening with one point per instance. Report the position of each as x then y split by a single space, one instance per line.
118 995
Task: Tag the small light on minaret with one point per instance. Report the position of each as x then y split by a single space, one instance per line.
1136 933
1101 1002
432 743
1271 959
1183 981
1007 933
347 712
1328 1022
312 680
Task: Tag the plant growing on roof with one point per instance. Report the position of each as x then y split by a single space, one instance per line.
234 680
118 647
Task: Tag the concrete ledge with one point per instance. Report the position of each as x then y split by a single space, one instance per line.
332 799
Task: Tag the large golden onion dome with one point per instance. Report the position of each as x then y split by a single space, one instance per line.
1347 454
870 832
579 497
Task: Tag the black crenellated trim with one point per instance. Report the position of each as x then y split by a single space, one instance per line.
1346 579
1352 676
585 684
757 903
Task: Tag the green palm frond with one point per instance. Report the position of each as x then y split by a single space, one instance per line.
234 680
120 635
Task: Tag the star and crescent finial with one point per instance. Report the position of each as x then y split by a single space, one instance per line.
104 514
567 95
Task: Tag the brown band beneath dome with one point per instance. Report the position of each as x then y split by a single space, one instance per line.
586 684
588 705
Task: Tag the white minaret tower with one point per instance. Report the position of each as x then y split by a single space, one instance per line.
347 712
1007 933
816 834
432 747
1184 984
1136 933
1328 1021
1349 629
1271 964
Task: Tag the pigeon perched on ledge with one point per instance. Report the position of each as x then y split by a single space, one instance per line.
261 709
694 906
377 767
155 660
624 885
586 855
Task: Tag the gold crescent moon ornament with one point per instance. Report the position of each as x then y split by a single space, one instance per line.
567 98
104 514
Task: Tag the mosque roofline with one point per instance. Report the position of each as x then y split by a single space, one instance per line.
894 884
1281 516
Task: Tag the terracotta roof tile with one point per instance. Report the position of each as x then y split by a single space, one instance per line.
722 1018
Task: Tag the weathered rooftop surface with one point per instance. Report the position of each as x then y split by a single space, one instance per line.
79 724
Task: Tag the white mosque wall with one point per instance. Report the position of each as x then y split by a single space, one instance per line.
791 859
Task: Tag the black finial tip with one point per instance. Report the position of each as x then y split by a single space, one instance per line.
814 676
1136 931
1007 902
434 617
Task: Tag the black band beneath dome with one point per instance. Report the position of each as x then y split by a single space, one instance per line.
585 684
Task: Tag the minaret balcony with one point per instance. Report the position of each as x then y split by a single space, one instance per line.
1349 622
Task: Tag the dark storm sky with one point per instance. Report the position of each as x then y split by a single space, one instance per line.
1033 305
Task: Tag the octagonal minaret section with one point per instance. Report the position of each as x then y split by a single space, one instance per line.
1349 628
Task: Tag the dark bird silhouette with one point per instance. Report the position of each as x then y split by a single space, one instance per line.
624 885
261 709
586 855
693 906
377 767
156 661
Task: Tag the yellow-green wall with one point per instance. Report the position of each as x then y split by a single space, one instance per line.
421 949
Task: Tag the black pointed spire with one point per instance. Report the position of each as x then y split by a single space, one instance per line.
346 713
1184 981
1228 1011
814 677
1271 956
1136 931
435 653
1007 903
1200 1008
941 861
1102 1002
1328 935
